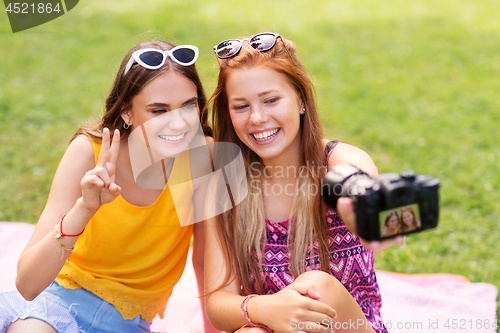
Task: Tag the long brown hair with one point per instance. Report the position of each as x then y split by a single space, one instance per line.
242 230
126 87
389 216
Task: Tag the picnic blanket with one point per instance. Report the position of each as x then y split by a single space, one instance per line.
423 303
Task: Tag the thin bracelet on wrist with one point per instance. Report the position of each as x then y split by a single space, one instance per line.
61 243
244 313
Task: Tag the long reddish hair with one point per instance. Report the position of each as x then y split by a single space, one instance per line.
241 230
414 219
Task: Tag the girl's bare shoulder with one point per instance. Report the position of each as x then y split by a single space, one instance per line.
346 153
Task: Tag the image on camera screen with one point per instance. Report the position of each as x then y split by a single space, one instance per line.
399 221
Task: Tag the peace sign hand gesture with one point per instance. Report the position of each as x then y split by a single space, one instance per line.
98 185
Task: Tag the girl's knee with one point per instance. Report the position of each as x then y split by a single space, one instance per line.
320 280
331 290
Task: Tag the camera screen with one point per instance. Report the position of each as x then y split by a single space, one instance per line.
399 221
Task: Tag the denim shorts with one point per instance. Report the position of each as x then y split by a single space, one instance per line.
68 311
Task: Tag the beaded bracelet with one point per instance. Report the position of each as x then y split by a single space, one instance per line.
244 313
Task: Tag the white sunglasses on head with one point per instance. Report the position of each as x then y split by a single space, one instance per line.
184 55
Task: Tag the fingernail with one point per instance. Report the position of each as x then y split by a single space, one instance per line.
315 292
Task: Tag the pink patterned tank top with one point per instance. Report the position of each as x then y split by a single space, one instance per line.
350 262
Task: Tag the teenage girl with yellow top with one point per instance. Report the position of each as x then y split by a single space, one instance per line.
128 244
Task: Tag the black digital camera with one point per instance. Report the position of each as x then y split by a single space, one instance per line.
388 205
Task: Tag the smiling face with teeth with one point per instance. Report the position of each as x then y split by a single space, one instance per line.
265 112
167 111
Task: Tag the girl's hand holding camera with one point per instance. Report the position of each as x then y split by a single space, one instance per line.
98 185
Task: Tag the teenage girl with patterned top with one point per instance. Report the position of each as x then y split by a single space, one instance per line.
281 261
105 250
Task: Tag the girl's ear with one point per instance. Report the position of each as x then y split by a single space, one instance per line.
302 106
127 116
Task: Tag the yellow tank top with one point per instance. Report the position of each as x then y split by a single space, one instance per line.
132 256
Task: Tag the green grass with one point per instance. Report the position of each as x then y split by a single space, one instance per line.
413 83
